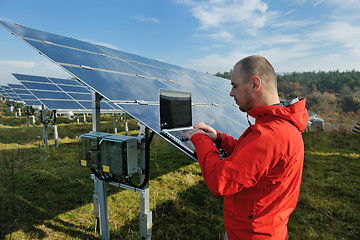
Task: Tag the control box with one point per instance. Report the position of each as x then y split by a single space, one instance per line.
112 153
90 149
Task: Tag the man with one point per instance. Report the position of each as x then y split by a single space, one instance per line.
260 179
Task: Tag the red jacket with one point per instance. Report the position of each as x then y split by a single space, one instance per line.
260 180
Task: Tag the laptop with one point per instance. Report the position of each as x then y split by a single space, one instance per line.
176 117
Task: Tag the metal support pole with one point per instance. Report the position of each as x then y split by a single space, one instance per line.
19 112
44 134
77 119
117 121
145 215
56 136
115 128
84 118
27 120
33 117
95 112
101 185
104 220
126 124
96 203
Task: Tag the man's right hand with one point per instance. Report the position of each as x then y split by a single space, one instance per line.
207 129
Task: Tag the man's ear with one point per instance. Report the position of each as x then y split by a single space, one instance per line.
256 83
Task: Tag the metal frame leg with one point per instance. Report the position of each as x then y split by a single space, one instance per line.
145 215
104 220
45 134
56 136
96 204
27 120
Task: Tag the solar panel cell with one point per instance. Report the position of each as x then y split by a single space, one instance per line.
71 82
74 89
61 104
47 86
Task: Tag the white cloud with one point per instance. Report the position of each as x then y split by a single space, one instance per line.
238 16
144 18
18 64
327 41
222 36
342 33
298 2
294 24
209 48
7 20
214 63
38 68
345 4
215 13
318 3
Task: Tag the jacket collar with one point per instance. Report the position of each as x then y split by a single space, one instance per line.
295 113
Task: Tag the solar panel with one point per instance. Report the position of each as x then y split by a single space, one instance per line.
12 96
132 82
27 97
60 94
4 93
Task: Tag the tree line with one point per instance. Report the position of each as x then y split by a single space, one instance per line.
333 91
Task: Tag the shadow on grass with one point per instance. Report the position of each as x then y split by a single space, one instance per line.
195 214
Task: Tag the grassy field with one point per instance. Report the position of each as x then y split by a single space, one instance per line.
45 194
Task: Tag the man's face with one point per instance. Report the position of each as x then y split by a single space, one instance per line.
241 90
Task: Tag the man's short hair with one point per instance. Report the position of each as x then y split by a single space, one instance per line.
259 66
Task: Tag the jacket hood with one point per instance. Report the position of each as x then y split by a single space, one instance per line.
295 113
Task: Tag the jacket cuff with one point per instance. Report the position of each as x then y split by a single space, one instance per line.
218 138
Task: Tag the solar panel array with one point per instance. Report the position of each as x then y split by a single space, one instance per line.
59 94
133 82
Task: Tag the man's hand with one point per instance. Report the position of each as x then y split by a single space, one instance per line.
202 128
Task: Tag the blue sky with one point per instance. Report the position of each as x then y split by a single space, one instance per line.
205 35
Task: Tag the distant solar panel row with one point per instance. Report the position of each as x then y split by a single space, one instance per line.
10 94
133 81
57 93
4 93
27 97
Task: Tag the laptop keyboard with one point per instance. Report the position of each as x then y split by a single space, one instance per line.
179 134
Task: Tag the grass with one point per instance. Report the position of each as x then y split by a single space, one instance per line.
45 194
329 203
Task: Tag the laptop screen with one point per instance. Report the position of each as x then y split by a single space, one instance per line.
175 109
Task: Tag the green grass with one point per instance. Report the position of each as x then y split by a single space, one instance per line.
45 194
329 203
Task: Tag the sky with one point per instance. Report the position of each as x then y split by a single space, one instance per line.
204 35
